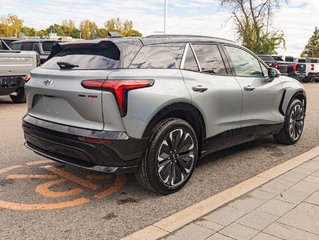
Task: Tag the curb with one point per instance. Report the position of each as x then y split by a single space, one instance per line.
189 214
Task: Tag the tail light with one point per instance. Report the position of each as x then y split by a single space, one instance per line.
312 67
26 78
294 68
119 88
276 65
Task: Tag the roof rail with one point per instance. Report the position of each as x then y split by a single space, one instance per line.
185 35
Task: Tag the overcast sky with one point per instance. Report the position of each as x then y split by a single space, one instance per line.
297 19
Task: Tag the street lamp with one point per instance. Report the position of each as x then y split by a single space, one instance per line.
165 16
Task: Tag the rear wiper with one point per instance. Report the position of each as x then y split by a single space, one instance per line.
65 65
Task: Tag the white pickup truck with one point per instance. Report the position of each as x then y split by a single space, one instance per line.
312 69
14 66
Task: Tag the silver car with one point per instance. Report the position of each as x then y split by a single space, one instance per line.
154 105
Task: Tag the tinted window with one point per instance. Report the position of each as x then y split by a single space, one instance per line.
289 59
27 46
301 60
277 58
244 63
160 57
267 58
15 46
190 62
209 59
36 48
87 58
47 46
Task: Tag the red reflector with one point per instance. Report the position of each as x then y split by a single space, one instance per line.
26 78
94 140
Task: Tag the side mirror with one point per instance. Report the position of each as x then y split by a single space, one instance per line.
273 73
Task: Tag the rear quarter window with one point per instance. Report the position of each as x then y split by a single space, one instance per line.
158 57
87 57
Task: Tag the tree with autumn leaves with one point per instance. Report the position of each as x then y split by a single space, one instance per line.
12 26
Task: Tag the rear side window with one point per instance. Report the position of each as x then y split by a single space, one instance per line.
87 57
15 46
244 63
158 57
47 46
210 59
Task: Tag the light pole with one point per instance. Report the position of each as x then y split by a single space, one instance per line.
165 16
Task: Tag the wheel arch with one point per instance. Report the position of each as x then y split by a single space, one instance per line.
185 111
288 98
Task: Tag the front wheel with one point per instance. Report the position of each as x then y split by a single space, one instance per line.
294 124
170 158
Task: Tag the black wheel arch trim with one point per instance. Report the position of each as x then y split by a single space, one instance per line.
301 95
185 111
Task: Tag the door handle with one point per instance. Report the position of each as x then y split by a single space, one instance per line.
249 88
199 88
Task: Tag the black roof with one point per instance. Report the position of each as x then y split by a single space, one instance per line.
154 39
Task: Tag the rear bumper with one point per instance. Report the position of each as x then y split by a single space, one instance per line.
104 151
10 84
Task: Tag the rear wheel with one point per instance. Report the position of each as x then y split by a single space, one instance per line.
170 158
294 124
20 97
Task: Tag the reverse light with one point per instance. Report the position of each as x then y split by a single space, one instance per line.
26 78
119 88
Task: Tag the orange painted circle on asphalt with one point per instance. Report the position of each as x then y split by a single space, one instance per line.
57 176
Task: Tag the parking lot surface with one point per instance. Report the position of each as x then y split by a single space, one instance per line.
41 199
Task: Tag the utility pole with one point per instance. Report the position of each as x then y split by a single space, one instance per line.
165 15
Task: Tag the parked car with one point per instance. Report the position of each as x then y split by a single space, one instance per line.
41 46
287 66
14 66
269 60
312 70
8 41
154 105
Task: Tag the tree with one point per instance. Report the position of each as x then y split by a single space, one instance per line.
312 47
10 26
88 29
123 27
252 22
27 31
55 28
67 27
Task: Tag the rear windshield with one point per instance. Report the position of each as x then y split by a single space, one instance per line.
267 58
277 58
47 46
87 57
301 60
158 57
289 59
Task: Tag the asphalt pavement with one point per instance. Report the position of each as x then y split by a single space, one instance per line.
41 199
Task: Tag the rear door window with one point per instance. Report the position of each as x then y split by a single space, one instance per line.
158 57
87 57
244 63
210 59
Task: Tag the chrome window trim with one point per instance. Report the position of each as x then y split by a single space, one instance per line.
196 59
184 56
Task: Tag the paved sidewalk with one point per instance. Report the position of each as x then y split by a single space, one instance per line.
284 208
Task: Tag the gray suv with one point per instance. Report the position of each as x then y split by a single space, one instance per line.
154 105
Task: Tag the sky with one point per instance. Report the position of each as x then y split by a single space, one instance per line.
297 19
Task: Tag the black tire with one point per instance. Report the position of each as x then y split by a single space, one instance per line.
172 151
294 124
20 97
